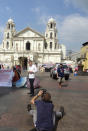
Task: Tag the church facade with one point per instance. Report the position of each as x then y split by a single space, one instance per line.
19 47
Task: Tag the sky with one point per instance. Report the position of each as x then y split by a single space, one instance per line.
71 18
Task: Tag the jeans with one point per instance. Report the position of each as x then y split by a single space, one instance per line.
32 86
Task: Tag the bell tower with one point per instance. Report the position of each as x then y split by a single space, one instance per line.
8 35
51 35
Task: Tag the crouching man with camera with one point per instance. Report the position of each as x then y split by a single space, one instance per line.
44 115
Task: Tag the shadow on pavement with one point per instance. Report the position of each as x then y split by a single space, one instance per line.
6 91
65 85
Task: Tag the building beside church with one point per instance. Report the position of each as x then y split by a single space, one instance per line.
17 47
84 56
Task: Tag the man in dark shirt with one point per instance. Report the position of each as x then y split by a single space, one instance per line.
60 74
44 115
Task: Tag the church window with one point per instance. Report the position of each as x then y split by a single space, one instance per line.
50 45
7 45
12 44
16 46
7 35
9 26
46 35
12 26
28 45
55 45
51 25
55 34
39 47
51 35
45 45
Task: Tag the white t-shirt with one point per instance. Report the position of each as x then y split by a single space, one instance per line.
32 68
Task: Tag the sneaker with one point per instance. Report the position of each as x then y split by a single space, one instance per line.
62 111
29 107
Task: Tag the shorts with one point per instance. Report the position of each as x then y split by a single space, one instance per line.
60 79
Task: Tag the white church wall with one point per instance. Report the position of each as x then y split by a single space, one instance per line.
51 59
40 46
29 33
36 41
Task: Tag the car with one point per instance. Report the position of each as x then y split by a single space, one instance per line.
48 67
53 71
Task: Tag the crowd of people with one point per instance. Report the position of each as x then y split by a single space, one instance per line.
44 117
14 73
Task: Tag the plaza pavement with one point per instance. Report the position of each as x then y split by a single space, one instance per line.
73 96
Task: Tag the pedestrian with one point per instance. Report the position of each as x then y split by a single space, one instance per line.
31 72
60 74
44 116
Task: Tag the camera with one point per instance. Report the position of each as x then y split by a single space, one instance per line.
28 107
44 92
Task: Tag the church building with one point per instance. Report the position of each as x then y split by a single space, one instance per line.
18 47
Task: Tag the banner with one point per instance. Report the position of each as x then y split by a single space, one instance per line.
6 78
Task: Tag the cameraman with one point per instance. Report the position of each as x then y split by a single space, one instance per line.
44 115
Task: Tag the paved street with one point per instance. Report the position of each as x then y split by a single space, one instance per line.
73 96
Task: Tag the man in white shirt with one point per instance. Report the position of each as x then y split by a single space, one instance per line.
31 71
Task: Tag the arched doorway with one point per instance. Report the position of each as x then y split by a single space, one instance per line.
23 62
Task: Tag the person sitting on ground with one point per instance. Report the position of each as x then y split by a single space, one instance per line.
16 76
44 115
18 68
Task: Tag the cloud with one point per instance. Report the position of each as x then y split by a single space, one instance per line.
8 9
72 31
43 19
36 10
81 4
5 9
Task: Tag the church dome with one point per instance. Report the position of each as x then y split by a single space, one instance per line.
51 20
10 21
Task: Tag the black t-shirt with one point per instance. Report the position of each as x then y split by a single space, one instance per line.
44 115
